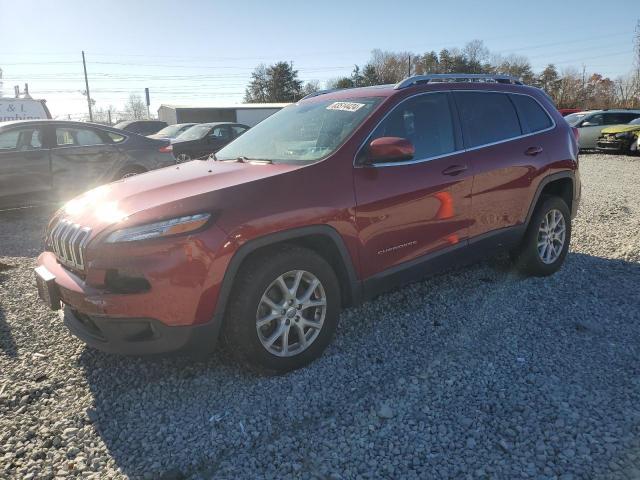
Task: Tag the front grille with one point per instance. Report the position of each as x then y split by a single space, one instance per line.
68 241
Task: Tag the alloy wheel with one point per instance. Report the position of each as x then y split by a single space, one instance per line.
551 236
291 313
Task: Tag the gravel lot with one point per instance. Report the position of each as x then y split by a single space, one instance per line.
474 374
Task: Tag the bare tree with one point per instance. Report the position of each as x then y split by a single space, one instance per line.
135 108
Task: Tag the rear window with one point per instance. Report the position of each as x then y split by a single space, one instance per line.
487 117
532 115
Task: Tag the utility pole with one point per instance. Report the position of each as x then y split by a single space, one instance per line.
409 64
86 82
109 115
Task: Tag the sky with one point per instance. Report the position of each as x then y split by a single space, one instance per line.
202 52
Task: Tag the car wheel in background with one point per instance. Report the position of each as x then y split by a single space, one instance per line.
283 310
183 157
130 172
546 240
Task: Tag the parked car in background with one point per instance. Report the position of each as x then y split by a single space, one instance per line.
204 139
330 201
172 131
620 138
569 111
141 127
591 123
50 160
12 109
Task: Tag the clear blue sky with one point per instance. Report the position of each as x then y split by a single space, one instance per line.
204 51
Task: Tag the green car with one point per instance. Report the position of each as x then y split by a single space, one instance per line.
620 138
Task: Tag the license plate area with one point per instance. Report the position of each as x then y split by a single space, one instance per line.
47 288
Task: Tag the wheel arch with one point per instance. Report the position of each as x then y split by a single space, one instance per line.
560 184
322 239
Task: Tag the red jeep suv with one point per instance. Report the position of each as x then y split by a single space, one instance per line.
325 204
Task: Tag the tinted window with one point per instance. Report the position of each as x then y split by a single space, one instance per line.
594 120
532 115
618 118
426 121
220 133
78 137
116 137
21 140
237 131
487 117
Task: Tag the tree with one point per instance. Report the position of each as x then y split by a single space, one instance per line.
276 83
312 86
135 108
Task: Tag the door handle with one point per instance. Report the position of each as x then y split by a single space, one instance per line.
533 151
454 170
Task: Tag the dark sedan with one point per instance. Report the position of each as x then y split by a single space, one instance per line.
172 131
204 139
141 127
50 160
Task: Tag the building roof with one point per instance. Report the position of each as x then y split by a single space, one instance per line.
235 106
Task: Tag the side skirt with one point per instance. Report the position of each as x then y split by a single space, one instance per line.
447 258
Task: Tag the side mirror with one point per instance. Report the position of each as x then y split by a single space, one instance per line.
588 124
389 149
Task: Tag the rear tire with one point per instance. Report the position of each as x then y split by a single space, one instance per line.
130 172
546 241
183 157
269 306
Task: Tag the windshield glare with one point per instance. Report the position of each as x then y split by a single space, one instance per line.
635 121
194 133
574 118
301 133
169 131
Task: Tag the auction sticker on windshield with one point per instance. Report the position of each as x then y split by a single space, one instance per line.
346 106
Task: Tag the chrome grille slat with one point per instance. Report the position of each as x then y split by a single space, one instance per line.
68 241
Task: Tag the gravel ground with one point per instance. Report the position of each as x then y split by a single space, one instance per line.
474 374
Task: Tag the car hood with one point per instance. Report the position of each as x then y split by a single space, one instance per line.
621 129
164 193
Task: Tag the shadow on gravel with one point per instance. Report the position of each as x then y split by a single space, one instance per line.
524 356
7 343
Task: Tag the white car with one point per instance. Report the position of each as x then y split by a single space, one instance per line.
591 122
12 109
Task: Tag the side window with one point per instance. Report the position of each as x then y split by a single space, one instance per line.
618 118
116 137
21 140
221 133
78 137
594 120
426 121
532 115
237 131
487 117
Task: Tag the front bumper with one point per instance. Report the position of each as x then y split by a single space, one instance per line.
612 145
139 336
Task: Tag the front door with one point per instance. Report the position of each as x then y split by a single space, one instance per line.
409 209
24 162
83 158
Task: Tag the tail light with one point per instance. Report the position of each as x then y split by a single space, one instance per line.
166 149
576 133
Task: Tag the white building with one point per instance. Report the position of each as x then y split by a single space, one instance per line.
247 113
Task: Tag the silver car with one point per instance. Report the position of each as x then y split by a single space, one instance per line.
591 122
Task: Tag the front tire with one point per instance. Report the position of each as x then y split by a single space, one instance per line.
283 309
546 241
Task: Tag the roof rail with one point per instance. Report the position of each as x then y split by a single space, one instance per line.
321 92
456 77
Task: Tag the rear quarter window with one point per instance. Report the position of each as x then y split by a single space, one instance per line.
533 117
487 117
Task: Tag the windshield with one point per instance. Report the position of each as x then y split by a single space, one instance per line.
194 133
301 133
574 118
170 131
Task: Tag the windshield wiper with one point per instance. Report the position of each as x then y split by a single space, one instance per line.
243 159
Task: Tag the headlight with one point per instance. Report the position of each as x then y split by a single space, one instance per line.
165 228
623 135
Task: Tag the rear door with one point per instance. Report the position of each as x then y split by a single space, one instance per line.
24 161
505 155
82 158
589 130
409 209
